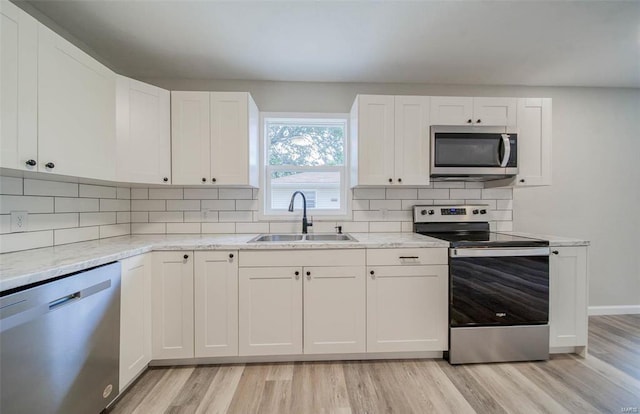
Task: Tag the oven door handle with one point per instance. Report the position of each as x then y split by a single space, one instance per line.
505 252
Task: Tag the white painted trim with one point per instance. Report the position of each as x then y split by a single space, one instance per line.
614 310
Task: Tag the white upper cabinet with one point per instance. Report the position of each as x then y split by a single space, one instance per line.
18 88
390 140
534 142
143 127
457 110
214 138
76 111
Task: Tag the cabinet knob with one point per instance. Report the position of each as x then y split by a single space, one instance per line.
297 273
165 179
308 273
31 163
213 179
522 180
390 180
399 180
230 255
373 274
469 121
186 256
50 165
478 121
204 180
555 252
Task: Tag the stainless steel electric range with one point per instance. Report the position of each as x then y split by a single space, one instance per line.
498 286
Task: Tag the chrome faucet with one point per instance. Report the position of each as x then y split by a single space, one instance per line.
305 223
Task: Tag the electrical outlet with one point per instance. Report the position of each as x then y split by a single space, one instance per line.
19 221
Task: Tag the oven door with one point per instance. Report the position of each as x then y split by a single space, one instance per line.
498 286
473 153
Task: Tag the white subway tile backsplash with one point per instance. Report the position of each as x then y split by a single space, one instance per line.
218 204
285 227
166 217
501 215
31 204
407 226
252 227
114 205
358 204
139 216
165 194
139 193
369 193
354 226
123 217
235 194
505 204
448 184
218 227
11 185
148 228
497 193
200 193
183 228
148 205
114 230
491 204
65 236
445 202
183 205
200 216
50 188
433 194
323 227
385 227
14 242
5 223
464 193
402 193
247 205
97 219
474 184
123 193
97 191
385 204
39 222
76 205
226 216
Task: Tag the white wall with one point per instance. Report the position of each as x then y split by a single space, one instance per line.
596 171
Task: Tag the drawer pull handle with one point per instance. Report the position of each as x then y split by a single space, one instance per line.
409 257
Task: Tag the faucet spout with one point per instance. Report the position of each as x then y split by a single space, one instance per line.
305 222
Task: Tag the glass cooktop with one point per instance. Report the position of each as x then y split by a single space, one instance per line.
485 239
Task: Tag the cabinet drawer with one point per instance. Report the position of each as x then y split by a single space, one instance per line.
345 257
419 256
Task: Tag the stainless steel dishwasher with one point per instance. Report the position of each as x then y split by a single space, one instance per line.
60 344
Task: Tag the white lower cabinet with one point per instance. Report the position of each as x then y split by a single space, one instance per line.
568 296
172 305
135 317
216 303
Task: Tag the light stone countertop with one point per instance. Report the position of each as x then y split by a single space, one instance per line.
31 266
553 240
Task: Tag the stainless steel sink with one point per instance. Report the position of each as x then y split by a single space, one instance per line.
277 238
283 238
329 237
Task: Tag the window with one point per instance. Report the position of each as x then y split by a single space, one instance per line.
305 153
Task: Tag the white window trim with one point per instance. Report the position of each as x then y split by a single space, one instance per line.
321 215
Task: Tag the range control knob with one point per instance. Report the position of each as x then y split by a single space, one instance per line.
475 211
423 212
431 212
483 211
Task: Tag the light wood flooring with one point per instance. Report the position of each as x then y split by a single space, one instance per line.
607 381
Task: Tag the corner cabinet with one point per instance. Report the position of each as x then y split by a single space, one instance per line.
390 140
214 138
135 317
19 92
76 111
568 281
143 131
481 111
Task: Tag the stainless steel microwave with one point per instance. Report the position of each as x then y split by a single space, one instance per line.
473 153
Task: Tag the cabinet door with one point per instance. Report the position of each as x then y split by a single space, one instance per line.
334 310
216 303
568 296
135 317
375 140
494 111
76 111
172 305
143 132
270 311
230 138
534 142
451 110
190 141
407 308
412 140
18 88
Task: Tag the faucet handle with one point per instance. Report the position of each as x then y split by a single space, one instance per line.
338 229
310 221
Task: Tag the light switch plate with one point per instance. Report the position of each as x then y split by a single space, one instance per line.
19 221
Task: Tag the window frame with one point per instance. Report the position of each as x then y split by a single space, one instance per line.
265 212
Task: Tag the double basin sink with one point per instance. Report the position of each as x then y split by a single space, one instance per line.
285 238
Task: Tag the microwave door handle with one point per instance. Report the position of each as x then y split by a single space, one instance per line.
507 150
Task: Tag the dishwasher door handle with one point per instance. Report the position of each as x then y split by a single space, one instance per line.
61 301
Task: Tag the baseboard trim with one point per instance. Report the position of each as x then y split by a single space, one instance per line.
614 310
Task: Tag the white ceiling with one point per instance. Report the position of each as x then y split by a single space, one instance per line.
559 43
